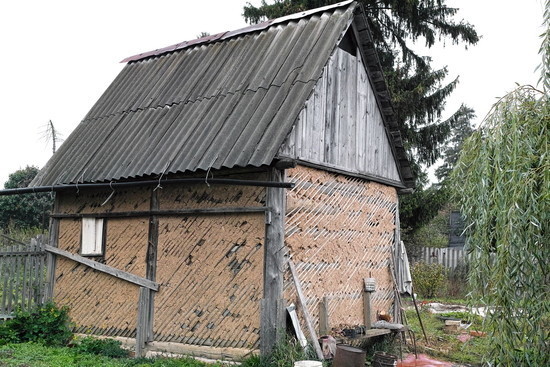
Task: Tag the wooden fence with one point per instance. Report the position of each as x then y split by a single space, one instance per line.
22 274
449 257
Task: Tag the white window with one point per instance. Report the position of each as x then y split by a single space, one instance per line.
92 237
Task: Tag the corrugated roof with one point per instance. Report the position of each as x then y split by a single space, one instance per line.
227 100
226 35
218 104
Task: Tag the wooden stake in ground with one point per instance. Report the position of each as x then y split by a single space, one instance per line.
305 311
418 314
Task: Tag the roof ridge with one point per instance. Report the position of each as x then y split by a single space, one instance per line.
230 34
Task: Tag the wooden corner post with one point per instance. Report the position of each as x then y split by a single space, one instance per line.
146 305
272 311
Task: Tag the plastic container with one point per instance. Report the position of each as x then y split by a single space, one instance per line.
308 364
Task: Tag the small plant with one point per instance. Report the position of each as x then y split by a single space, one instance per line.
46 324
285 353
428 279
106 347
252 361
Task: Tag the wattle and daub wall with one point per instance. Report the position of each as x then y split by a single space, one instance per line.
209 267
338 231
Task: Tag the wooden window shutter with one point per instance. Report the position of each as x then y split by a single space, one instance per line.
92 237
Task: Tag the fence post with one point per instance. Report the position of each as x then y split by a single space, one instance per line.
51 258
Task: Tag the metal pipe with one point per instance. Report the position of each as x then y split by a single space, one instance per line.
114 185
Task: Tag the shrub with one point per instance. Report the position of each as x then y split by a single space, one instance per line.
46 324
428 279
7 334
105 347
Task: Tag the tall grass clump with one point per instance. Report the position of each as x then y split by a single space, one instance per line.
286 352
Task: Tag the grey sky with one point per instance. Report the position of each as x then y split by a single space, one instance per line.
58 57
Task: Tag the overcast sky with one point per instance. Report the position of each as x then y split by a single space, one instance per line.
58 56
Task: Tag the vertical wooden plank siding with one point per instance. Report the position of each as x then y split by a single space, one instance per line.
273 316
341 125
340 230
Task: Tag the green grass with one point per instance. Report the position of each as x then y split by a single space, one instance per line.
447 346
37 355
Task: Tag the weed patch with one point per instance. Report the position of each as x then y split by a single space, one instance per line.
46 324
285 353
105 347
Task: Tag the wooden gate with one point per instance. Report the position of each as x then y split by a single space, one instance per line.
22 274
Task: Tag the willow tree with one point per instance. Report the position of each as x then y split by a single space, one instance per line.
503 186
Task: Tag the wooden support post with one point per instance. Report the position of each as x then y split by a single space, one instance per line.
151 271
50 257
146 305
367 313
323 316
142 321
272 319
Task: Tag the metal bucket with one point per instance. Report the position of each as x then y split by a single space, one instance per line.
348 356
382 359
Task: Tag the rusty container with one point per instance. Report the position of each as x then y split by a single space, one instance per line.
348 356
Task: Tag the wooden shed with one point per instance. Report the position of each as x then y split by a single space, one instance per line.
207 166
